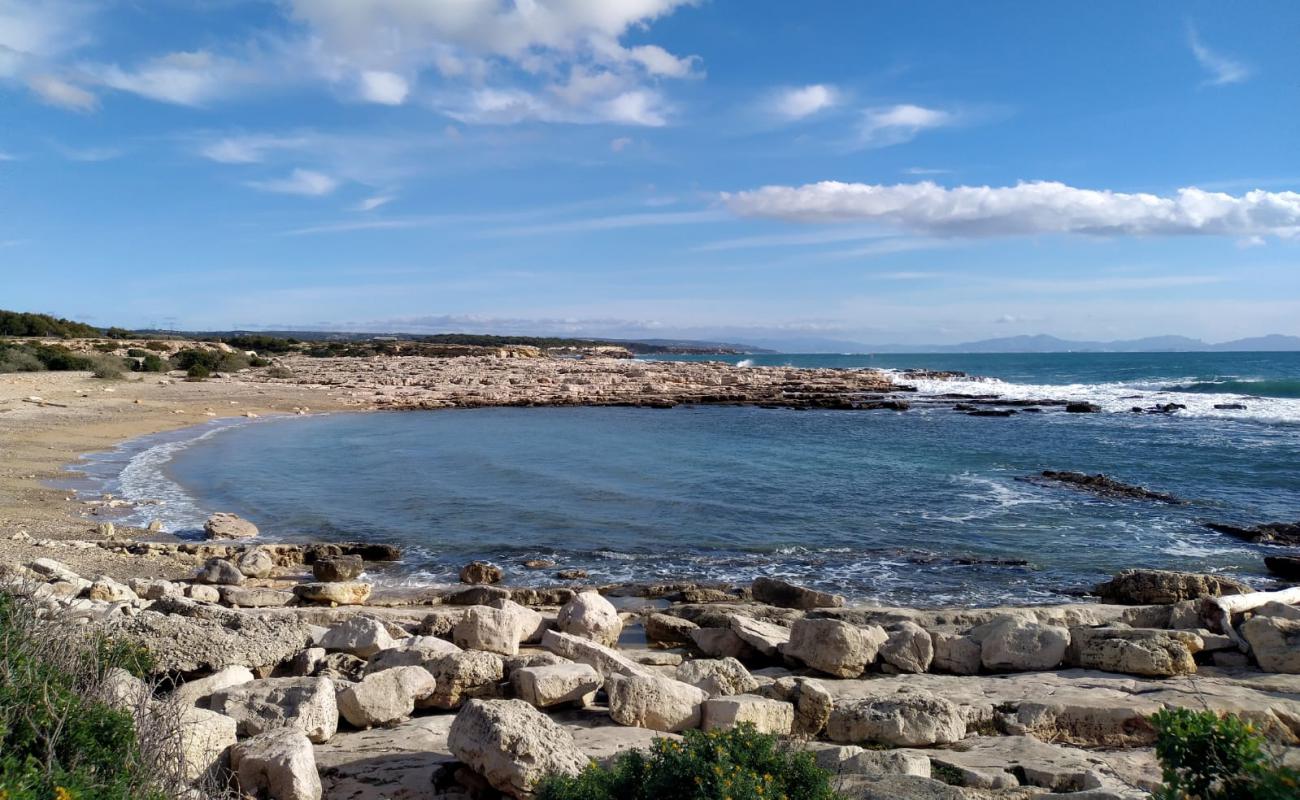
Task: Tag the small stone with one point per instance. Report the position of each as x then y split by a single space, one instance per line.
256 563
344 593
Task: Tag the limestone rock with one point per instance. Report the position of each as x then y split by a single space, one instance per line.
416 651
513 745
306 704
1016 645
201 593
219 571
384 697
908 648
717 677
335 569
668 630
191 644
196 692
1157 586
603 659
242 597
256 563
463 676
556 684
764 637
954 653
834 647
812 703
654 702
53 570
346 593
480 572
496 629
1275 643
280 763
1135 651
787 595
106 590
909 720
722 643
205 738
229 526
767 716
591 616
361 636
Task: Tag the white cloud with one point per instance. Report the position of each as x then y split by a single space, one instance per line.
35 32
184 78
301 181
371 203
890 125
1026 208
385 88
1223 70
804 101
55 91
488 106
620 144
251 149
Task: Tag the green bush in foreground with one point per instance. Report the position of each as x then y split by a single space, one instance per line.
739 764
197 372
56 741
107 367
1207 757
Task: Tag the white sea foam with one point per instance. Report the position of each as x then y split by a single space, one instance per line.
1121 397
745 362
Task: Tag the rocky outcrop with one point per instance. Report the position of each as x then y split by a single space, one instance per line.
1135 651
787 595
765 714
336 569
513 745
305 704
1157 586
834 647
1281 533
909 720
480 572
717 677
229 526
192 644
1275 642
1015 645
1101 485
654 702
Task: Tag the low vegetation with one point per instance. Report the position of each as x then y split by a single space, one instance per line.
1207 757
738 764
16 323
59 738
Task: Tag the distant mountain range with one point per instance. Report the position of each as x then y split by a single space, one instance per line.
1043 343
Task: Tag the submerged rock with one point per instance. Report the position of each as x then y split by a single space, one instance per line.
1139 587
335 569
480 572
1102 485
1283 533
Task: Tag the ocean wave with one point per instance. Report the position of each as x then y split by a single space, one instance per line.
1248 387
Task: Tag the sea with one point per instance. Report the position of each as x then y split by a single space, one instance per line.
922 507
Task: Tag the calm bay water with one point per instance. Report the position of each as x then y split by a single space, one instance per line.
920 507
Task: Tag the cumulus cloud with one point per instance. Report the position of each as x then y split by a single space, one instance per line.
1223 70
890 125
301 182
56 91
1026 208
803 101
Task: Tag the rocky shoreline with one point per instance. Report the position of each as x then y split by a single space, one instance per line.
388 693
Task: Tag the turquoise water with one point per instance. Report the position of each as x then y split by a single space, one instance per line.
919 507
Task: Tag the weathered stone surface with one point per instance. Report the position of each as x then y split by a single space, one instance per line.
848 759
334 569
766 715
229 526
219 571
668 630
416 651
908 720
834 647
306 704
557 684
1275 643
717 676
513 745
1143 586
244 597
904 787
106 590
463 676
385 697
53 570
764 637
1003 762
340 667
201 593
361 636
721 643
654 702
812 703
1015 645
192 644
1136 651
205 739
199 690
346 593
959 655
603 659
496 629
908 648
787 595
279 763
256 563
591 616
480 572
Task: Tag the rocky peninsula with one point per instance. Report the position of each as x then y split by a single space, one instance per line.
290 669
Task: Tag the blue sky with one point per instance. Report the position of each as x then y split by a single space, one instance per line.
866 171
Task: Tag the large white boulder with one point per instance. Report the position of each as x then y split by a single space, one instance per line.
384 697
910 720
654 702
199 690
1135 651
591 616
1275 642
717 676
513 745
764 637
279 763
556 684
205 739
223 525
256 563
307 704
601 658
909 648
496 629
767 716
412 652
360 636
834 647
1012 644
955 653
462 676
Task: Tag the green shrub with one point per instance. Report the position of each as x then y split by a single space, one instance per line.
279 372
739 764
18 359
257 361
1208 757
106 367
159 347
151 363
197 372
57 740
212 360
118 333
14 323
135 352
